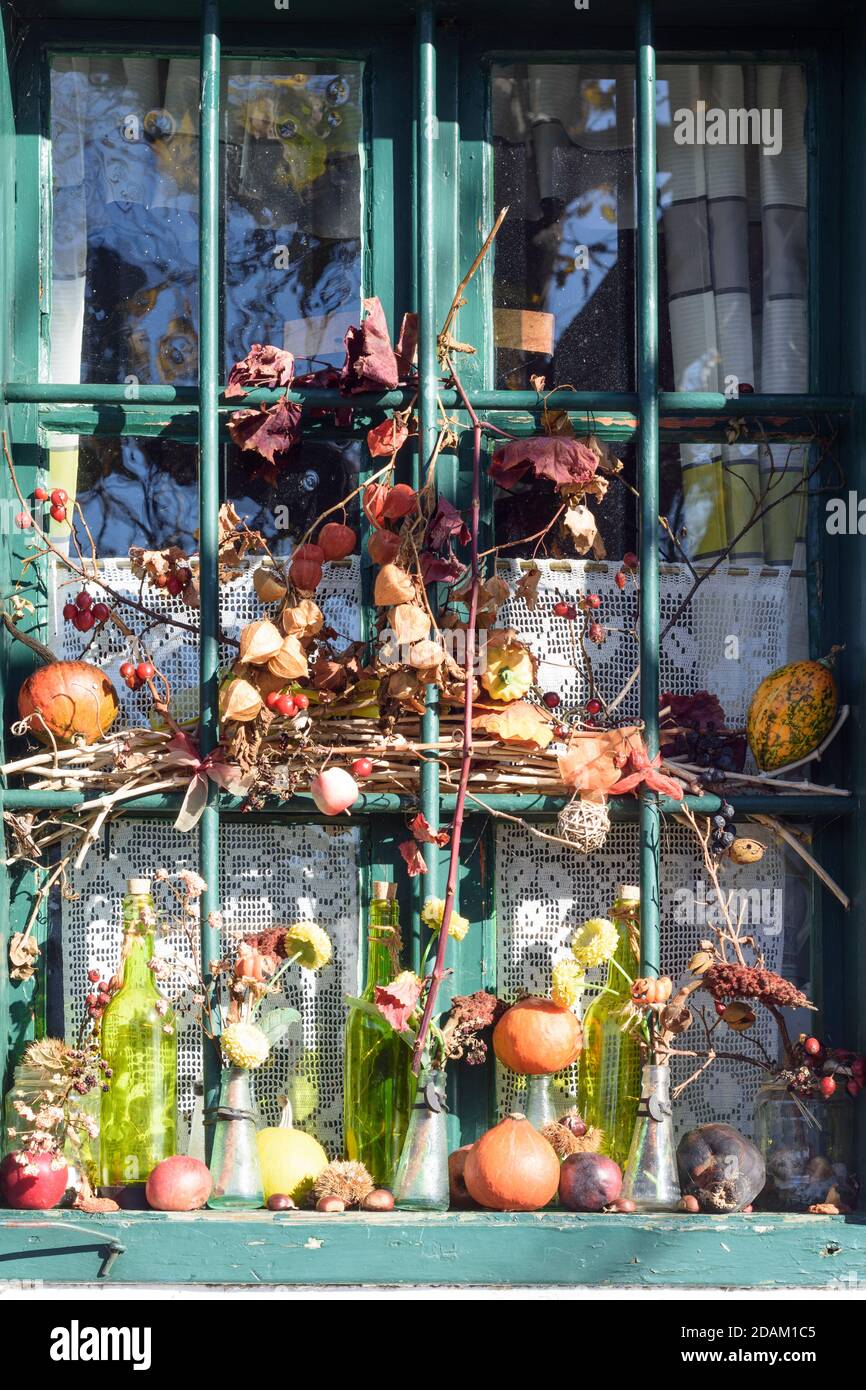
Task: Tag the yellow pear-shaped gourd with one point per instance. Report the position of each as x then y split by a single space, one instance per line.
290 1159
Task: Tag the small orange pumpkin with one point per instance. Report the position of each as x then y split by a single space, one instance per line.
305 570
512 1168
68 699
336 541
536 1037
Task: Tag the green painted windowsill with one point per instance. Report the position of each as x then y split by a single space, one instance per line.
765 1250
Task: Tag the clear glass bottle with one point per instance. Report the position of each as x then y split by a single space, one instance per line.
378 1084
421 1183
609 1067
139 1043
538 1104
651 1180
809 1147
234 1164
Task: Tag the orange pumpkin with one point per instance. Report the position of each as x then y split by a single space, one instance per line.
65 699
305 570
536 1037
512 1168
336 541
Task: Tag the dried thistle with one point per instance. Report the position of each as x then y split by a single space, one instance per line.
345 1179
564 1141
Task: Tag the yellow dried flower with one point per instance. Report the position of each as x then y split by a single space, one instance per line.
432 914
310 944
244 1045
595 942
568 980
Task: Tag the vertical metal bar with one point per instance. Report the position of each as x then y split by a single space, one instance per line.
648 470
426 124
208 484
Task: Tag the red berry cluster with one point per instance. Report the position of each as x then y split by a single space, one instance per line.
174 581
136 676
289 706
84 613
99 996
827 1068
629 565
58 498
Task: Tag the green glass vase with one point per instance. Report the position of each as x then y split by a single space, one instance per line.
378 1085
609 1070
139 1043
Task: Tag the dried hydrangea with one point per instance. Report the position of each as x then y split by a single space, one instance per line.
595 942
568 979
724 981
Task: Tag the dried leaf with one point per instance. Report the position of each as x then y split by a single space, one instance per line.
565 461
527 587
267 430
407 344
518 724
581 524
413 858
589 763
23 955
265 366
370 363
420 827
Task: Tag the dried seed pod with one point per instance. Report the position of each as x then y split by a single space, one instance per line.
305 619
409 622
259 642
290 660
423 656
268 584
746 851
393 585
738 1016
701 961
239 701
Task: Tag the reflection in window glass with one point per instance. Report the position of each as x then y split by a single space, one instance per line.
125 226
563 160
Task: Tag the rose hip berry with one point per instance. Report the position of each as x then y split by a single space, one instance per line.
84 620
551 699
93 976
174 585
619 579
59 497
272 699
362 767
145 670
630 560
812 1047
23 520
40 494
301 701
286 706
828 1086
593 706
84 600
58 513
596 633
593 601
101 612
561 609
70 612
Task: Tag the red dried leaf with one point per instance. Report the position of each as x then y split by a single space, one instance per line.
267 430
640 769
370 363
420 827
413 858
701 710
262 366
397 1001
407 344
385 439
567 462
439 564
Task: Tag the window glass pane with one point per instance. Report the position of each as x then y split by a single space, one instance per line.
526 507
563 161
125 227
132 491
732 217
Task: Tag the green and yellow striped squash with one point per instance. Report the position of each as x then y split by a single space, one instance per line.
792 710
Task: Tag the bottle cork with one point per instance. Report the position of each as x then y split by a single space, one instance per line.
138 886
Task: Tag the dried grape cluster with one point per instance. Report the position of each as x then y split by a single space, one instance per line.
722 833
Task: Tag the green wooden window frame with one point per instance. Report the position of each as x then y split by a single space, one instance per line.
446 165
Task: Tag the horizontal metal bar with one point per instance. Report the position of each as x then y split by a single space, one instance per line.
810 804
670 402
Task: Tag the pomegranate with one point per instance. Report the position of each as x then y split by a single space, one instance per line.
33 1191
178 1184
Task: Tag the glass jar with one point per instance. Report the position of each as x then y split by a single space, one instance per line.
421 1183
651 1180
234 1165
80 1150
808 1145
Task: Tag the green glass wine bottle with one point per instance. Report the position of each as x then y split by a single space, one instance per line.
378 1085
609 1071
139 1043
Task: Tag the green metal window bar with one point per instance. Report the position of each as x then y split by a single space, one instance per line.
645 414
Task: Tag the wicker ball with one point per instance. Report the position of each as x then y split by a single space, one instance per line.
584 824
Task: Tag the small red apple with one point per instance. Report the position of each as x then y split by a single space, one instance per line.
33 1191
